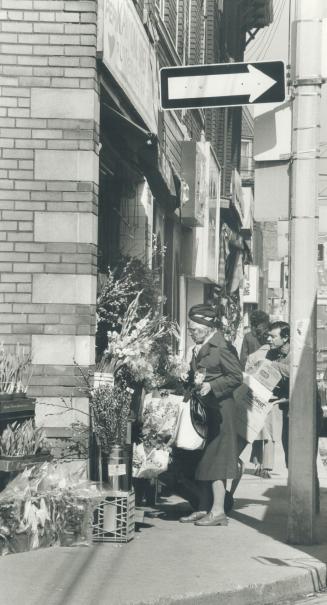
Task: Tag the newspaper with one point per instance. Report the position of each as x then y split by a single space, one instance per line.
253 400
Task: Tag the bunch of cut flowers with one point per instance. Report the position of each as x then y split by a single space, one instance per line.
160 420
134 347
178 366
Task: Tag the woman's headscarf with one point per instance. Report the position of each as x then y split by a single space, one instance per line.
205 315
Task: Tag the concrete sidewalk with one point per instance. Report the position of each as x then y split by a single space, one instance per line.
246 563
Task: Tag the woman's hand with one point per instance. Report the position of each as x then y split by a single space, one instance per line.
185 376
205 389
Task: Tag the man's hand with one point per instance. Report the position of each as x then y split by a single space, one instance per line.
205 389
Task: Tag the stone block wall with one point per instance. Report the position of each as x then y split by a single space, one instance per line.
49 130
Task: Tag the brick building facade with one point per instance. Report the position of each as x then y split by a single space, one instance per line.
77 139
49 128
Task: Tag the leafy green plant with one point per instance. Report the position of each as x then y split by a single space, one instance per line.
15 370
21 439
110 407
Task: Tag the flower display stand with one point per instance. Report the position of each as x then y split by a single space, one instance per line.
114 518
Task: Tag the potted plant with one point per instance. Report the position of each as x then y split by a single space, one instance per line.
22 445
15 375
110 408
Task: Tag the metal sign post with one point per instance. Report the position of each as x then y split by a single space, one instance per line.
307 83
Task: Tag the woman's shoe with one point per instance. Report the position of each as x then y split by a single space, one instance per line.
265 474
228 502
192 517
210 520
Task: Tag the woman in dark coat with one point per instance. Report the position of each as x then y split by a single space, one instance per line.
215 357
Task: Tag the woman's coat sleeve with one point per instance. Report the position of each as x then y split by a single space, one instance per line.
223 386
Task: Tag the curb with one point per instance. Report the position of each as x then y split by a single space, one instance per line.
312 581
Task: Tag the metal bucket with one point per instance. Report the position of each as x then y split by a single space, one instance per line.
116 469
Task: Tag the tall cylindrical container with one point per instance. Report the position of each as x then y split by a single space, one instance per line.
115 469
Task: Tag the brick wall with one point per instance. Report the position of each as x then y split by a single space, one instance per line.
214 118
183 29
48 187
170 18
223 126
196 32
170 134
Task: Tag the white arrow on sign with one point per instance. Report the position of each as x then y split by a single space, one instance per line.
252 83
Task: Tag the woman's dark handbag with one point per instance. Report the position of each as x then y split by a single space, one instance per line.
199 416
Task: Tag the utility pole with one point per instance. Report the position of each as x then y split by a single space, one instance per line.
306 75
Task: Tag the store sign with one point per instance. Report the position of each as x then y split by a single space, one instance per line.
251 284
274 274
201 244
214 215
237 193
194 173
130 58
248 205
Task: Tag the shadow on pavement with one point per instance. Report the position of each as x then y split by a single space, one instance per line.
274 524
275 519
248 511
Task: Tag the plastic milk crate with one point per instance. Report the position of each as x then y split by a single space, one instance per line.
114 518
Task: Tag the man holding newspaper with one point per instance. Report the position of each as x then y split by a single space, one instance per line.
268 366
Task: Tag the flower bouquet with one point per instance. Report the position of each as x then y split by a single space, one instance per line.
119 285
160 419
134 347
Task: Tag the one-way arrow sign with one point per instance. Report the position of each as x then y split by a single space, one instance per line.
222 85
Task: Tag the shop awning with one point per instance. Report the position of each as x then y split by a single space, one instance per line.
142 146
114 119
